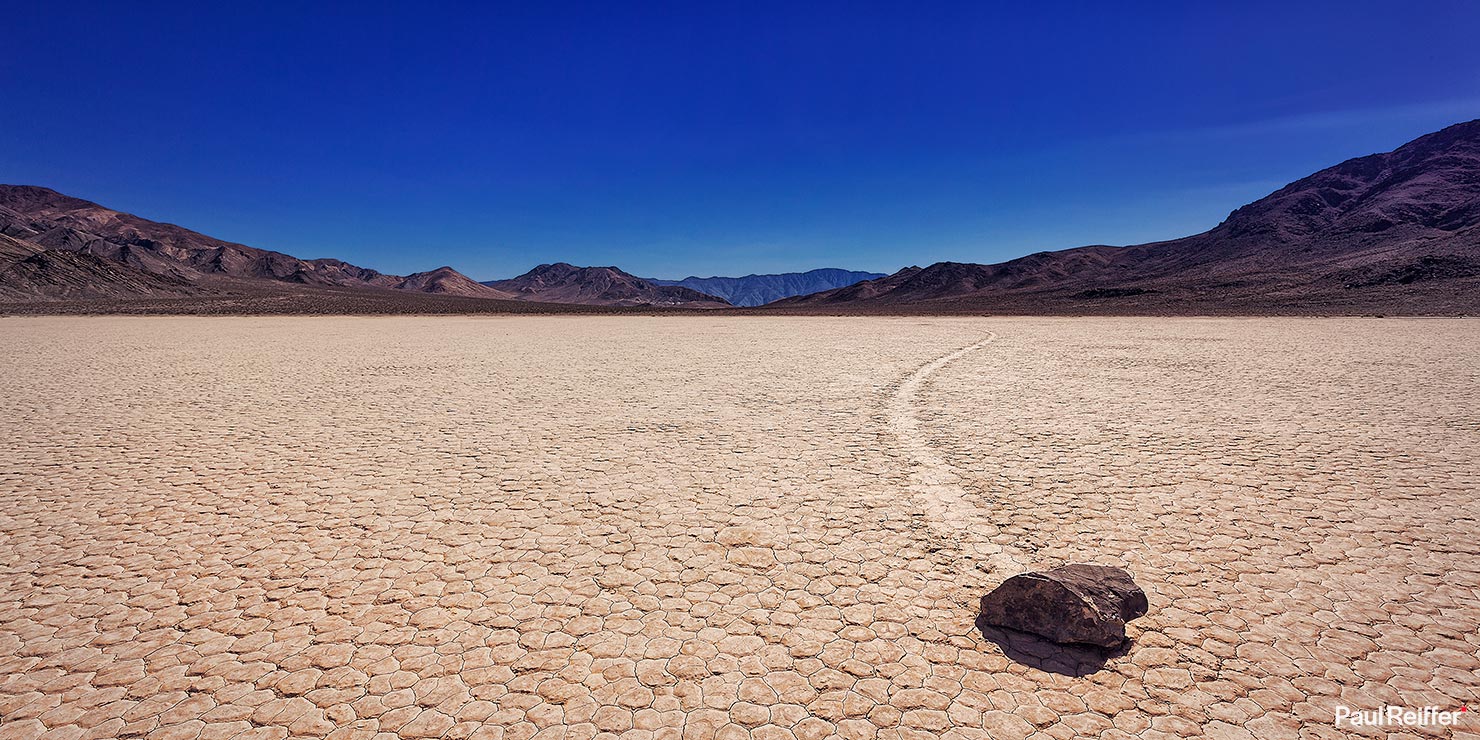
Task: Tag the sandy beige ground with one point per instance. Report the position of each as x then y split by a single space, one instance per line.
517 527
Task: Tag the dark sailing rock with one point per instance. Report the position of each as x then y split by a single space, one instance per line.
1078 603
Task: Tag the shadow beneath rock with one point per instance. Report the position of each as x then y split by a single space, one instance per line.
1045 655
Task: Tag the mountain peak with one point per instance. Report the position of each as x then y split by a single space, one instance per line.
562 282
1345 236
756 290
124 253
1428 183
446 281
26 198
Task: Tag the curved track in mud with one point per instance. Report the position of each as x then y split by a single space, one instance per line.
935 485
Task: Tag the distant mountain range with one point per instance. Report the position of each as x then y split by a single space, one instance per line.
56 247
599 286
1397 232
609 286
756 290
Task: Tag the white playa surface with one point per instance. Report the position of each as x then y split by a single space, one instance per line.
747 527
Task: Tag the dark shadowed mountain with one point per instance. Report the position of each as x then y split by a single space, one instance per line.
28 271
754 290
599 286
62 248
1394 232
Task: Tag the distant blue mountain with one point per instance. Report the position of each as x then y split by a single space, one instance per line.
755 290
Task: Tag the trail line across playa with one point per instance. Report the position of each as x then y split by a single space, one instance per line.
936 486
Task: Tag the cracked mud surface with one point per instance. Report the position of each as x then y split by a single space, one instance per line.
728 527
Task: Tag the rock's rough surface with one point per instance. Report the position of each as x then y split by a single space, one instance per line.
1076 603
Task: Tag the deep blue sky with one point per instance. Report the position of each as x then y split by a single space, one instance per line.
712 138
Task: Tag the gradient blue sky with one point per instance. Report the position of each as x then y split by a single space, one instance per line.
712 138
